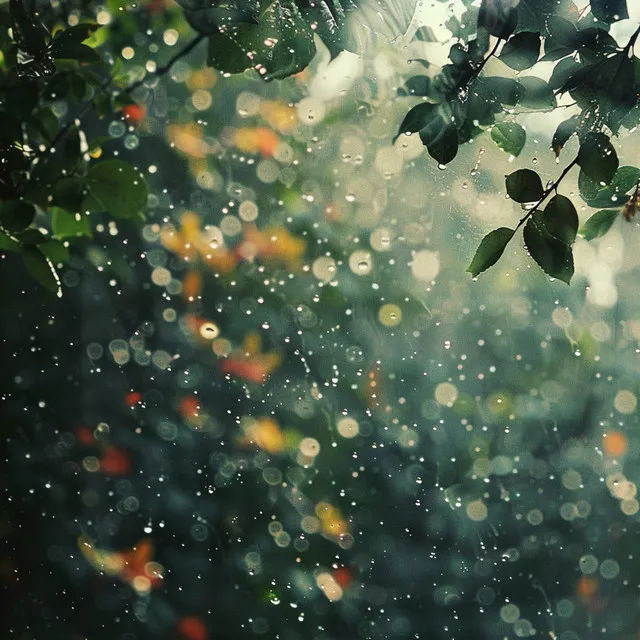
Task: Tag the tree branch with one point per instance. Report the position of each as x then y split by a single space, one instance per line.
159 72
547 191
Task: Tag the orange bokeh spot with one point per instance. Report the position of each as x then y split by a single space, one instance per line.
115 462
259 140
85 436
192 628
343 576
614 443
133 398
192 285
587 587
189 407
134 113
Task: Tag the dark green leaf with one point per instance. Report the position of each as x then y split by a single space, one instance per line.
522 51
445 149
597 157
498 18
280 45
594 42
116 187
31 236
524 185
68 193
55 251
7 243
587 186
490 250
552 255
510 137
506 90
609 10
65 224
74 35
561 219
40 268
613 195
599 223
537 94
417 86
418 117
553 54
563 32
16 215
564 131
76 51
563 72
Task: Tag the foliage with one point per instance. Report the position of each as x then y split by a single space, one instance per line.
462 101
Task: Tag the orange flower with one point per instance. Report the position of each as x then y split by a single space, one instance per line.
274 243
249 363
266 434
257 140
279 115
191 242
192 285
134 566
188 138
333 524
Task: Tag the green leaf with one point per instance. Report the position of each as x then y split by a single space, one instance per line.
599 223
506 90
74 35
116 187
16 215
76 51
417 86
564 131
552 254
524 185
561 219
7 243
588 187
522 51
498 18
563 32
609 10
68 193
69 225
597 157
55 251
445 149
417 118
279 45
510 137
31 236
490 250
40 267
537 94
613 195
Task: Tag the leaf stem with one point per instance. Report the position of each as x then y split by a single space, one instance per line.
632 41
552 187
160 71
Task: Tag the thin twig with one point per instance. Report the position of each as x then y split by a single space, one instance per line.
547 191
159 72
